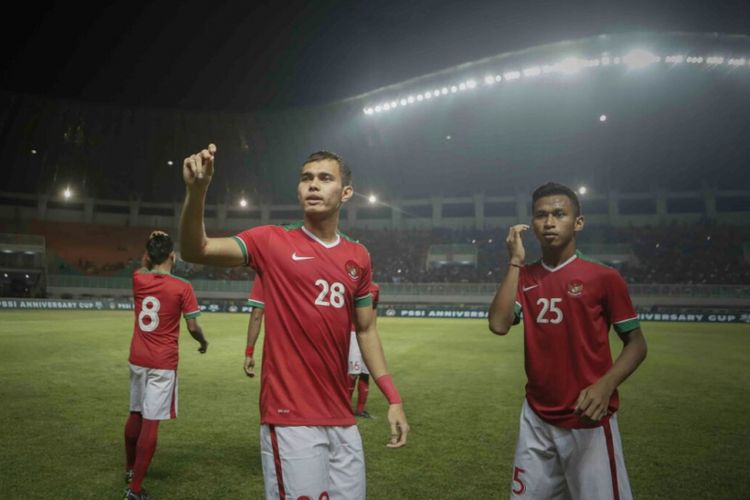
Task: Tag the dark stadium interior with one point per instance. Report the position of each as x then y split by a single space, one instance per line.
116 142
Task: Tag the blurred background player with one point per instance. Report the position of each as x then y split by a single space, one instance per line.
159 300
315 284
254 323
568 442
360 375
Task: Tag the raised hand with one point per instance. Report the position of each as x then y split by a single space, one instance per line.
198 169
514 242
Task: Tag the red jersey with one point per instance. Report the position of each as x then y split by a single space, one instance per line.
311 289
256 298
375 293
159 300
568 311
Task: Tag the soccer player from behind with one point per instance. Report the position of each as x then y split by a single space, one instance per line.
358 372
316 282
159 299
568 442
254 323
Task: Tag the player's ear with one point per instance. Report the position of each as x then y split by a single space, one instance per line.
580 222
347 193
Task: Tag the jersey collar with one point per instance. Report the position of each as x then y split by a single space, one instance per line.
554 269
327 245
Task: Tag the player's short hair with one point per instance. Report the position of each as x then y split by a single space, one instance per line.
346 172
159 247
553 188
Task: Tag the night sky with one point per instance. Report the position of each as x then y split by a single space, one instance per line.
243 56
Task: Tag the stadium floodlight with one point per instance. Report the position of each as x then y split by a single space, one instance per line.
582 190
489 80
605 60
420 97
27 276
67 193
532 71
675 59
470 84
410 99
428 95
512 75
243 202
372 198
639 58
448 138
170 162
33 151
5 275
386 106
454 89
602 118
715 60
737 61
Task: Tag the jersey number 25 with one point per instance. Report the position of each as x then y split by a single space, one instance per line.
549 306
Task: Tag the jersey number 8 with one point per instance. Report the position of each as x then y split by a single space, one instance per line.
149 309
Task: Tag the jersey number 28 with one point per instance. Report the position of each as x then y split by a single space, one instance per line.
336 296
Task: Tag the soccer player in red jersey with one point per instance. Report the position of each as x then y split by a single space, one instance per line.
316 282
358 372
159 299
568 443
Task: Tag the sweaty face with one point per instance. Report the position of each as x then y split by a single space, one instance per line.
320 189
555 222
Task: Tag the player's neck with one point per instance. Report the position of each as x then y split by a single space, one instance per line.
163 268
325 229
553 257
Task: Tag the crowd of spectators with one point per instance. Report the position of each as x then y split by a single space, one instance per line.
676 254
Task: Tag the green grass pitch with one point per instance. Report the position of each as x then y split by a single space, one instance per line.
64 392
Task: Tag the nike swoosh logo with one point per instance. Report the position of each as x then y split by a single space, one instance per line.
299 257
527 288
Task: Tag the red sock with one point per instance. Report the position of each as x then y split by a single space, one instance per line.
363 387
132 431
145 451
352 384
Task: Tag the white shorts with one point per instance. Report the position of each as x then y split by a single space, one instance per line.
153 392
556 463
315 463
356 363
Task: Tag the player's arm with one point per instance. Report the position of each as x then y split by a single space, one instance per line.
502 314
373 356
197 333
593 402
195 246
253 331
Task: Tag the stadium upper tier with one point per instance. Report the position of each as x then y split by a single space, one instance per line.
626 112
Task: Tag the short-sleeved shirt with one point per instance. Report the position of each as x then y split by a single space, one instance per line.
375 293
160 299
256 298
567 312
310 289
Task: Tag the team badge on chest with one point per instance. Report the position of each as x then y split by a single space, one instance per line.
575 288
353 270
